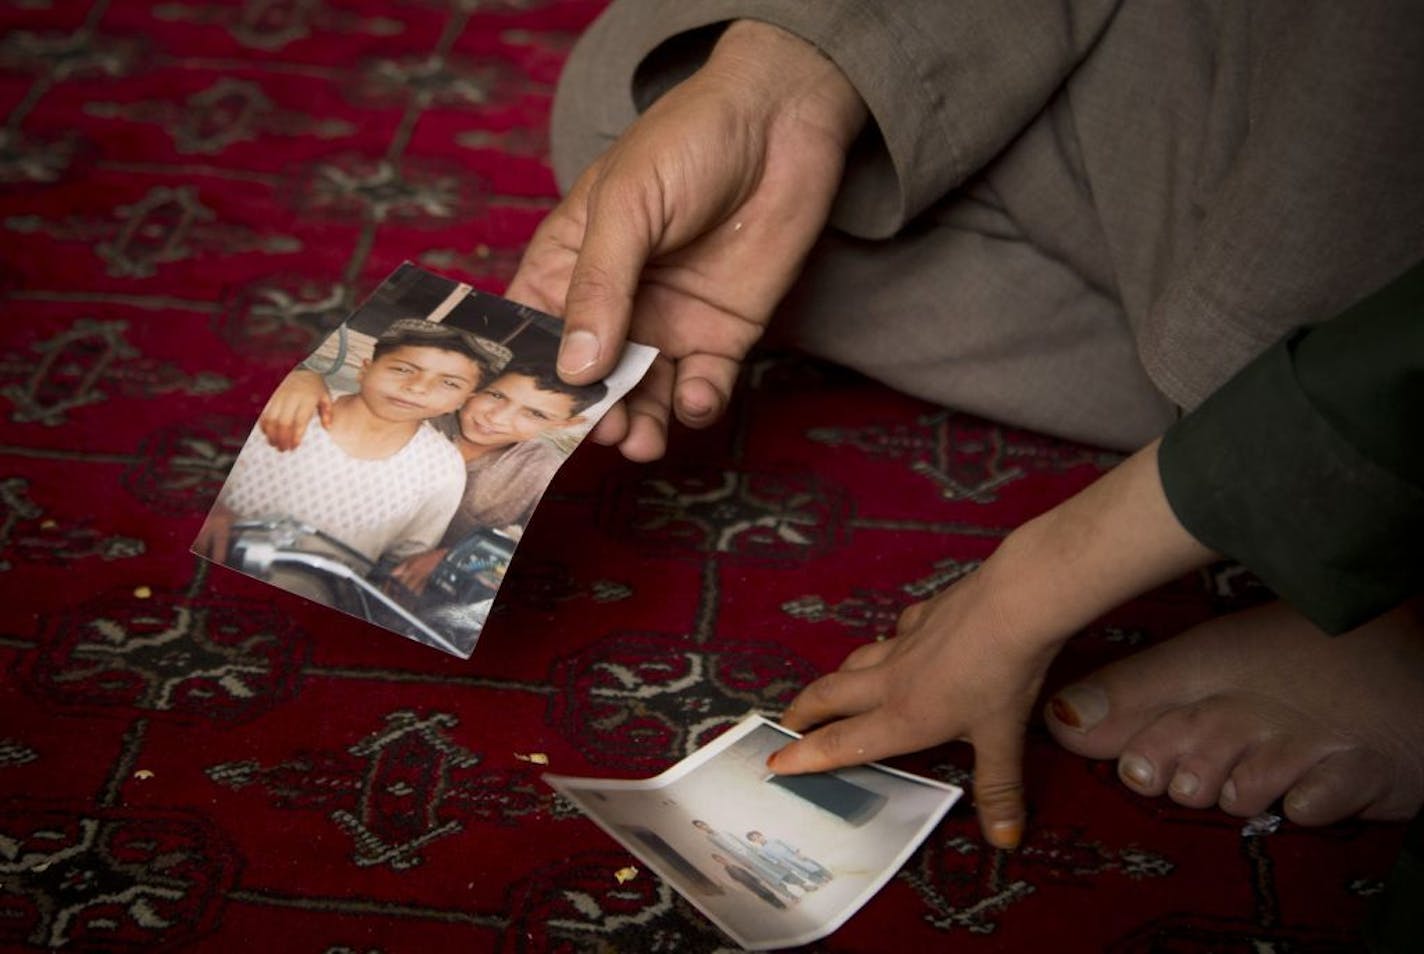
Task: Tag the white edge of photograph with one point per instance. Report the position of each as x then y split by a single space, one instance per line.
755 931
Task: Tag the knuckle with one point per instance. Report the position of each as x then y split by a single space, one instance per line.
824 690
831 743
862 654
649 404
909 617
998 793
626 203
591 284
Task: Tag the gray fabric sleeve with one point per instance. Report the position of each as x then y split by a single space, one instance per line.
948 83
1324 200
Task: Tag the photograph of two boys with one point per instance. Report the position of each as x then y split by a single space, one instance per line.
392 473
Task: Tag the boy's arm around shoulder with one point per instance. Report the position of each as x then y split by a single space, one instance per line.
301 394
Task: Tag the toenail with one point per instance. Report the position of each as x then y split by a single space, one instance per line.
1136 769
1185 784
1079 707
1228 792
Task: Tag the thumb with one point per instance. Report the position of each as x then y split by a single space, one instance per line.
620 235
998 788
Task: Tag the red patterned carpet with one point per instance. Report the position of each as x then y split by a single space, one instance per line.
190 194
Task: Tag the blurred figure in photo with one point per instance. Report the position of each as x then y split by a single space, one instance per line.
788 856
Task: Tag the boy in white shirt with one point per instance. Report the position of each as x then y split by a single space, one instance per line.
376 477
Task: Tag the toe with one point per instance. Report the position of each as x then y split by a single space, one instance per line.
1085 719
1264 775
1142 774
1339 786
1196 782
1097 716
1186 753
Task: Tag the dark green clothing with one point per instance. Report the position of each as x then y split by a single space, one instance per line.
1308 466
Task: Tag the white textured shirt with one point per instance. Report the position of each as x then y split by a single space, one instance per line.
400 504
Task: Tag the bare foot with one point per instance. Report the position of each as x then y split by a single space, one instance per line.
1261 705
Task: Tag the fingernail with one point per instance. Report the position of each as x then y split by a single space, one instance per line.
1079 707
1006 834
1185 784
1136 769
578 352
696 409
1228 793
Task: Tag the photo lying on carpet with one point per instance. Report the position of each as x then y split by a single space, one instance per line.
774 861
392 472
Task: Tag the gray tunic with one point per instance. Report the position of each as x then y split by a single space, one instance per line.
1081 217
503 488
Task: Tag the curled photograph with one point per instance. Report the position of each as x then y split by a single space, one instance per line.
773 860
392 473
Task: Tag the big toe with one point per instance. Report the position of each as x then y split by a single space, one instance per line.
1097 717
1090 719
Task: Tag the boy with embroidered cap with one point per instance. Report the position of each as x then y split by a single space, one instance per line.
376 476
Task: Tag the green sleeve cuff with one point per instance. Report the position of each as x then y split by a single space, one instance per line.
1364 371
1258 474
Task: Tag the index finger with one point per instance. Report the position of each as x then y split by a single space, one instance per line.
841 693
854 741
